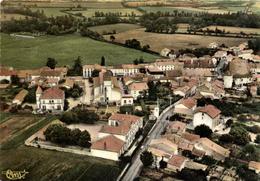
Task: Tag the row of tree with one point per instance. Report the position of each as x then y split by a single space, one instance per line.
60 134
79 115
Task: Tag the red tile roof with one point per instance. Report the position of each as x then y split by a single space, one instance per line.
190 137
53 93
177 125
109 143
5 71
124 117
177 160
138 86
125 122
189 102
211 110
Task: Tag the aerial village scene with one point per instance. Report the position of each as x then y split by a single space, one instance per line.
130 90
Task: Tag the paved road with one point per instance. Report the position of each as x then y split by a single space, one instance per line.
159 127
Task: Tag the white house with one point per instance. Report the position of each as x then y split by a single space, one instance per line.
186 107
51 100
137 89
162 148
123 127
106 89
109 147
125 69
212 149
127 100
88 70
208 115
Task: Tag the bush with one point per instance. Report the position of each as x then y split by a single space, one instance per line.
126 109
79 116
203 130
257 139
226 138
60 134
147 158
4 81
240 135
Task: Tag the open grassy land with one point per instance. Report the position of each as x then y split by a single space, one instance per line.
4 116
235 29
51 11
66 4
185 9
123 11
32 53
45 165
174 41
8 17
18 128
120 27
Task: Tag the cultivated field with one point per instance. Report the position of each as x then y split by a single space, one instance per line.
7 17
235 29
14 125
32 53
174 41
123 11
51 11
64 4
185 9
120 27
45 165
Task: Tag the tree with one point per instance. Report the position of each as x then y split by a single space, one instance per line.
247 174
51 63
194 175
229 123
77 68
84 139
257 139
163 164
241 136
112 38
147 158
31 96
66 105
75 136
254 44
203 130
95 73
226 138
208 160
103 61
15 80
68 117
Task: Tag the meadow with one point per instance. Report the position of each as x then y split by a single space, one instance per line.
90 12
51 11
8 17
120 27
45 165
28 53
174 41
185 9
235 29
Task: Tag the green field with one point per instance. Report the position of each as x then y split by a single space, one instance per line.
51 11
123 11
45 165
120 27
24 53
